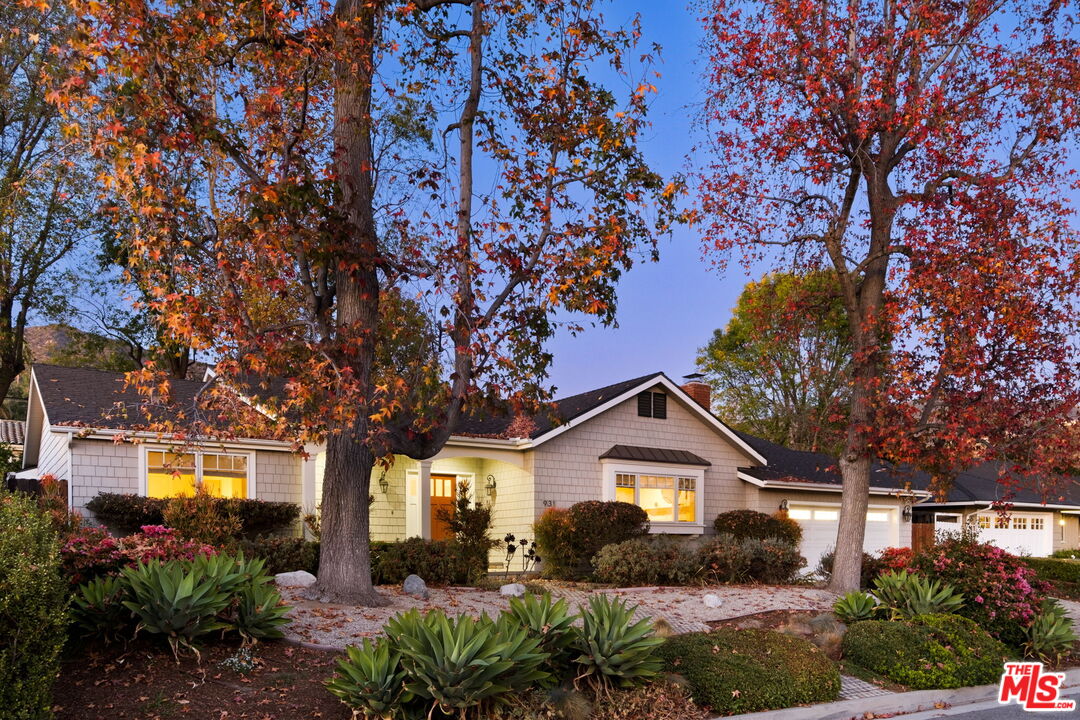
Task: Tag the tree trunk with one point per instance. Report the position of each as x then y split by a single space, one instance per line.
855 473
11 358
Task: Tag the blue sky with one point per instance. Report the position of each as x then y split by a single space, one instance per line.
667 310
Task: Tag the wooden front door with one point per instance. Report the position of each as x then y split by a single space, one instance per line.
443 492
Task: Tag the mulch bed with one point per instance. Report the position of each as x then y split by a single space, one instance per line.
145 682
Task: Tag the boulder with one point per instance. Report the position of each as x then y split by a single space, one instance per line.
415 586
512 590
297 578
712 600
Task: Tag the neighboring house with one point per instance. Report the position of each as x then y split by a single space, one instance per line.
12 433
647 441
1033 526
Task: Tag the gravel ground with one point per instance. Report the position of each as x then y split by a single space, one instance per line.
684 609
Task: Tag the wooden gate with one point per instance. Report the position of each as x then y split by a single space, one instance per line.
922 536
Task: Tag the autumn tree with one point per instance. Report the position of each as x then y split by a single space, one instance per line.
779 368
917 149
459 158
44 206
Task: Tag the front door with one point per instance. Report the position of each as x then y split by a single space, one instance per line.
443 492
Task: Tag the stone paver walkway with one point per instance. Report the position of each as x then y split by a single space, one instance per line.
684 609
852 688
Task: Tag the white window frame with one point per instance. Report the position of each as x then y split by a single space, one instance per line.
144 464
612 467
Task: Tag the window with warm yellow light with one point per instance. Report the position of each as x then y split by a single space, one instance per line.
664 498
172 474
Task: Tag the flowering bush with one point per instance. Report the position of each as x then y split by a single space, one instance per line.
895 558
90 552
1003 594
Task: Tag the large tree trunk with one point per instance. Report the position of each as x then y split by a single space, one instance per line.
855 473
11 356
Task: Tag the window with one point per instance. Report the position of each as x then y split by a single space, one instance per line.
1037 523
826 515
1001 523
799 514
169 474
1020 523
877 516
664 498
984 522
652 404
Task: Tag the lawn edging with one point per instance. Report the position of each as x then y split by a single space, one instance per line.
896 703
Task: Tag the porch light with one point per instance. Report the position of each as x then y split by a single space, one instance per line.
783 505
489 485
384 484
1061 522
906 512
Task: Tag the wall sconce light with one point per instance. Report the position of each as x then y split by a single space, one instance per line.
1061 522
906 512
783 505
384 484
490 485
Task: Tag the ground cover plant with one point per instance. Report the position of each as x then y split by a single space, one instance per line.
928 651
738 671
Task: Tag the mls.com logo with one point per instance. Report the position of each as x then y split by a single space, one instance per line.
1031 688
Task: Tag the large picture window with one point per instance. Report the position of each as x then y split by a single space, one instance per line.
664 498
169 474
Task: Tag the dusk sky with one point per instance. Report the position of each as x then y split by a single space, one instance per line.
667 310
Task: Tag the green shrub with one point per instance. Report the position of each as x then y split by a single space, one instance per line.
931 651
471 522
740 671
724 558
611 649
125 514
647 561
1073 554
282 554
870 568
907 595
33 609
568 540
1061 571
744 524
462 665
202 517
551 623
98 612
371 681
855 606
438 562
1050 635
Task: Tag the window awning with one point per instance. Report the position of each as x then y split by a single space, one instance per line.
648 454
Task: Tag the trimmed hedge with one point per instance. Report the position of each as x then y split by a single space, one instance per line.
438 562
125 514
569 539
33 609
282 554
931 651
741 671
745 524
647 561
1063 574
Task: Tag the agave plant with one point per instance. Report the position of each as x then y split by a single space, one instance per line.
907 595
259 613
1050 635
462 665
175 601
97 609
855 606
371 681
550 622
613 651
228 572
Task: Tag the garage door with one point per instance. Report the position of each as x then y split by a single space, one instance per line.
820 522
1022 534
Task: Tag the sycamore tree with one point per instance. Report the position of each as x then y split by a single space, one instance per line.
917 149
779 368
452 176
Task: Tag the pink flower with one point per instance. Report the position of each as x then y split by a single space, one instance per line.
979 599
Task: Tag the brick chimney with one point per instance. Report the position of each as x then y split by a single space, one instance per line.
698 390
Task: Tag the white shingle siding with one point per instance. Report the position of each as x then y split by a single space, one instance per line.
568 469
99 466
53 454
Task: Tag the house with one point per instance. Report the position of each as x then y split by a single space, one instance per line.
1034 525
648 440
11 435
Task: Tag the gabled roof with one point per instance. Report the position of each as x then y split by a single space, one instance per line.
12 432
979 485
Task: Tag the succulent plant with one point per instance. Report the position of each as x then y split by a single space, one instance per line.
97 609
371 681
855 606
611 649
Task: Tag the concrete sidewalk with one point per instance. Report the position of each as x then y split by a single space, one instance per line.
896 703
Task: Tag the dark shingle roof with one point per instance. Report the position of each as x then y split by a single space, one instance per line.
96 398
496 423
12 432
648 454
980 485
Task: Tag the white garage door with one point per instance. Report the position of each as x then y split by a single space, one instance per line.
820 522
1021 534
